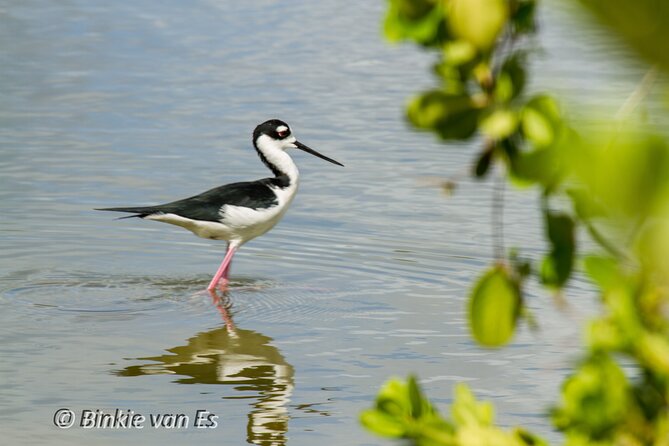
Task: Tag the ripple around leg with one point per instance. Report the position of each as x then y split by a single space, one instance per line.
94 293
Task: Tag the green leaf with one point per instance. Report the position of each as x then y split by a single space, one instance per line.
558 264
451 116
459 52
419 20
604 271
511 78
382 424
653 350
528 438
584 205
494 306
460 126
453 81
523 17
537 128
541 121
467 411
415 397
532 167
595 398
477 21
605 335
483 163
402 411
642 24
500 124
392 398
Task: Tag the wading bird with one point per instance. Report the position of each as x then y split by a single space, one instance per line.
238 212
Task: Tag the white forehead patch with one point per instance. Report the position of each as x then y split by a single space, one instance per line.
281 128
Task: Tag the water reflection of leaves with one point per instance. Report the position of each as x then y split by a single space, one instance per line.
241 358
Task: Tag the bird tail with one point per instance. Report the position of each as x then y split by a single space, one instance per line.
140 212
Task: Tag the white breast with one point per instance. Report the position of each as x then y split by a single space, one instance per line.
247 223
238 224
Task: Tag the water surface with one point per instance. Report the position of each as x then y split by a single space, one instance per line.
140 102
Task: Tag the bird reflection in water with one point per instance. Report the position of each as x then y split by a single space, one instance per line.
241 358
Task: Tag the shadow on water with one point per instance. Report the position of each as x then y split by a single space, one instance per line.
243 359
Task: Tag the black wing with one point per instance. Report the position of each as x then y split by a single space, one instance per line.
207 205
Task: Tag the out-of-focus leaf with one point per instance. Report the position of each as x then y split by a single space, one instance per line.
415 397
483 75
483 163
467 411
459 52
541 120
549 162
452 116
419 20
642 24
474 424
421 424
494 307
403 411
528 438
621 303
541 166
453 81
594 399
392 398
584 205
484 436
604 271
652 247
631 178
460 126
511 79
653 349
382 423
605 335
477 21
522 16
500 124
537 128
559 262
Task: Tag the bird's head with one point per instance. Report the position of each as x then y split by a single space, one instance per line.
275 135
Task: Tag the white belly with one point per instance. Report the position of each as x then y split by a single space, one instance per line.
238 224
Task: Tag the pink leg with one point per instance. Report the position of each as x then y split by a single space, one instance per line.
222 307
224 269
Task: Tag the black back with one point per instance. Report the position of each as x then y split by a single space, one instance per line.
207 205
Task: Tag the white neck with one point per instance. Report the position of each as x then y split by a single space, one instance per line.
276 158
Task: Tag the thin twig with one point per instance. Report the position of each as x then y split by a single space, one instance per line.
638 95
498 218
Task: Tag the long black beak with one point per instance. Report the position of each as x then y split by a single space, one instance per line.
301 146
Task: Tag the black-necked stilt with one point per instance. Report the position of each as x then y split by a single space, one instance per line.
238 212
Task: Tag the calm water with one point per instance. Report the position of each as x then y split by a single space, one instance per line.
141 102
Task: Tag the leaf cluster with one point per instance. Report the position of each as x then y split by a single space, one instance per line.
610 185
402 411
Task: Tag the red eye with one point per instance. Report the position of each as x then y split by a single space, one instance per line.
283 133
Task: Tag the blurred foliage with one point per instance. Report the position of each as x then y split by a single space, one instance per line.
643 24
402 411
610 185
